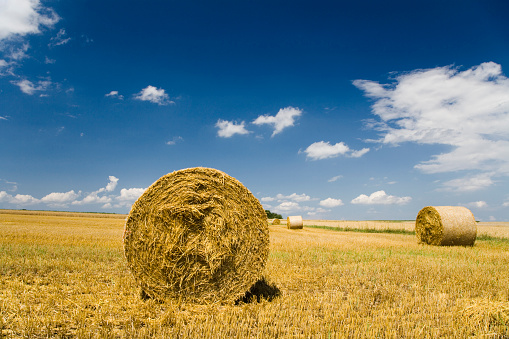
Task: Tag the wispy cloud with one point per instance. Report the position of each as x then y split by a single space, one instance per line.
154 95
478 204
28 87
324 150
227 129
283 119
467 110
380 198
174 141
60 39
336 178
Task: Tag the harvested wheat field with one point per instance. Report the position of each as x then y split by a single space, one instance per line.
65 275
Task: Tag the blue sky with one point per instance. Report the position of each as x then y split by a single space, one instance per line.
326 109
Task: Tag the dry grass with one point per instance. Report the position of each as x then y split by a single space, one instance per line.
67 277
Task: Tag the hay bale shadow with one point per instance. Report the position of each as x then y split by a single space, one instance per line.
260 290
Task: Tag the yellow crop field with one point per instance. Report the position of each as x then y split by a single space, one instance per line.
64 275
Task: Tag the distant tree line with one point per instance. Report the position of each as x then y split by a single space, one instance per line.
271 215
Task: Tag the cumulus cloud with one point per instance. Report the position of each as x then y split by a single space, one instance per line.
294 197
466 110
114 94
21 17
18 199
331 202
227 129
324 150
58 199
101 196
287 206
267 199
154 95
130 194
95 197
283 119
380 198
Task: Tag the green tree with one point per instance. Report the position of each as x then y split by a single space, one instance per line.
271 215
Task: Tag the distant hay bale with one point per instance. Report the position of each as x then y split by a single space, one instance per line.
276 222
196 235
446 226
294 222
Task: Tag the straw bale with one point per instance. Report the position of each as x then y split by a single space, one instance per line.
276 222
196 235
294 222
446 226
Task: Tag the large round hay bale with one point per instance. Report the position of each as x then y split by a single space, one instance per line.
446 226
276 222
196 235
294 222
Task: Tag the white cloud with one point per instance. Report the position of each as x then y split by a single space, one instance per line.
336 178
287 206
21 17
317 211
267 199
380 198
3 118
227 129
331 202
28 87
506 204
18 199
95 198
60 39
324 150
467 110
469 183
114 94
283 119
112 184
154 95
130 194
58 199
294 197
478 204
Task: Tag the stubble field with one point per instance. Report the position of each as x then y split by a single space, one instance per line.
64 275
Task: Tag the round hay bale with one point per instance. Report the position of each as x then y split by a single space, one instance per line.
446 226
276 222
294 222
196 235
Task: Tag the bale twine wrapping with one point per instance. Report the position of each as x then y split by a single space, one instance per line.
294 222
276 222
446 226
196 235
